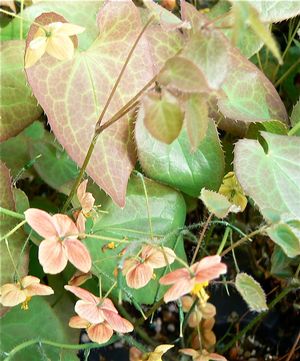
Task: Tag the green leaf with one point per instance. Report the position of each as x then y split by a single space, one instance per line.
284 236
217 204
271 178
163 116
39 322
270 126
274 11
182 74
54 165
17 239
167 213
280 264
18 107
176 166
196 119
251 292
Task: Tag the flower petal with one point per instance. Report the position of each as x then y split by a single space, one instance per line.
100 333
108 305
60 47
83 294
89 311
139 276
175 276
12 295
81 190
65 226
180 288
29 280
35 51
79 278
69 29
41 222
158 257
78 322
80 222
209 268
78 254
52 256
38 290
117 322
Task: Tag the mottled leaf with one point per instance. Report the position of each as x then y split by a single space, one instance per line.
271 177
167 213
270 126
217 204
73 114
18 107
196 119
251 292
175 165
39 322
286 237
163 116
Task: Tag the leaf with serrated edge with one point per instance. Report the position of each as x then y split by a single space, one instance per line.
175 165
163 116
167 211
74 92
196 119
217 204
15 241
272 179
18 107
249 95
251 292
284 236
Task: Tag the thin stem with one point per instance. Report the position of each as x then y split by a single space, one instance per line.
242 240
201 237
19 17
111 288
291 68
150 312
293 349
82 170
12 261
224 240
258 318
122 71
10 213
85 346
21 20
186 318
12 231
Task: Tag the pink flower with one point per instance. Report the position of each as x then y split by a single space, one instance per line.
194 279
202 355
12 294
85 198
97 311
60 243
139 271
100 332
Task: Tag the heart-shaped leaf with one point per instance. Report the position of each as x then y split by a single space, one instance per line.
74 101
217 204
167 214
175 165
18 107
40 321
163 116
274 11
251 292
271 178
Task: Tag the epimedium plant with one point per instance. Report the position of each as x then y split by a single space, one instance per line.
121 81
